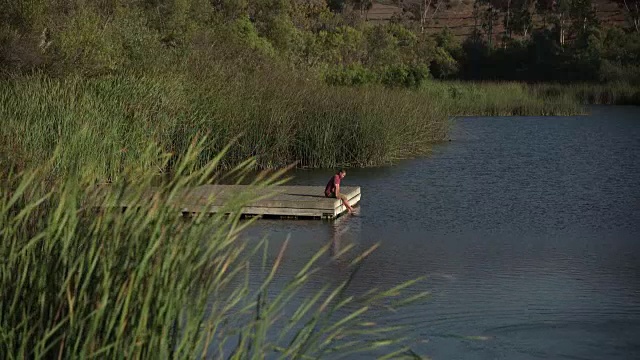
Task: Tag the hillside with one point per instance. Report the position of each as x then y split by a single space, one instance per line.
459 16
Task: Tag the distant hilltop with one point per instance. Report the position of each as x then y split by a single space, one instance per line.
458 15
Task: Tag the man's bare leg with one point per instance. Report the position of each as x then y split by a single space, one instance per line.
346 202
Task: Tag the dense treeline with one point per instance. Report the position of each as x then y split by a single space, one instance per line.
566 44
329 39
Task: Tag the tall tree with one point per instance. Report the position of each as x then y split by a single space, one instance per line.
507 20
476 15
521 19
424 10
363 6
583 17
337 6
632 9
490 17
515 15
558 11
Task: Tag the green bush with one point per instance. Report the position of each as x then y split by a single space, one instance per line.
350 75
405 75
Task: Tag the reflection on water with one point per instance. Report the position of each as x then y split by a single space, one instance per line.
527 230
342 230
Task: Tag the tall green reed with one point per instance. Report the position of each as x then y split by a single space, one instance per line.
499 99
592 94
81 279
106 123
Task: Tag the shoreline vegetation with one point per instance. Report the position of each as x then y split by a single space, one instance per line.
592 94
103 125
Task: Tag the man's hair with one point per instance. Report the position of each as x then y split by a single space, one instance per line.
342 170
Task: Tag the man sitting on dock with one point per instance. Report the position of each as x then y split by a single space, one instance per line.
333 189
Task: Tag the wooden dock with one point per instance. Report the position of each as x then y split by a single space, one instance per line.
281 201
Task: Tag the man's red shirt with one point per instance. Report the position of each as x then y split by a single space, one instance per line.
332 184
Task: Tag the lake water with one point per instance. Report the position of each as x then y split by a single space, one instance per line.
527 228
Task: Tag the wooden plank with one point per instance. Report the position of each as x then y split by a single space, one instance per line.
311 197
251 210
254 210
289 201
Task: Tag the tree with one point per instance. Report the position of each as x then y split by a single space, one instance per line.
444 63
364 6
516 19
521 20
622 48
489 18
558 11
476 15
475 54
231 9
273 20
487 13
575 16
507 18
424 10
337 6
583 18
632 8
309 14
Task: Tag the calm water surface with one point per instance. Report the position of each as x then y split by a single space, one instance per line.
527 228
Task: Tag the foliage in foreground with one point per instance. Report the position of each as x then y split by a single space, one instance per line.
147 283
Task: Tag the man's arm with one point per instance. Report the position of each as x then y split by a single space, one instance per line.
337 189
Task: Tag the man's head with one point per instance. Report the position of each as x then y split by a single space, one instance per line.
342 173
